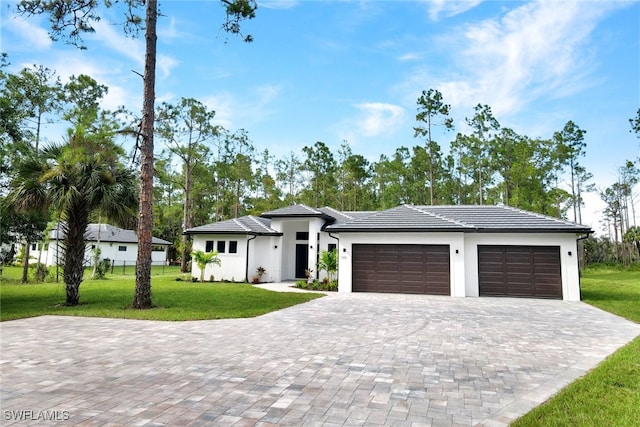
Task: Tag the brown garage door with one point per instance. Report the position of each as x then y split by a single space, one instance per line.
520 271
410 269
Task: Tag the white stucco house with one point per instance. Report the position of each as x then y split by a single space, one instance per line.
461 251
117 244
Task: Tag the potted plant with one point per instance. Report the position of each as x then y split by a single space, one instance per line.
259 273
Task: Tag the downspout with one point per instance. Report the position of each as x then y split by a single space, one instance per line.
584 237
246 268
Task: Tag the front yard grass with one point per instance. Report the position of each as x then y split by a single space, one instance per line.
608 395
111 297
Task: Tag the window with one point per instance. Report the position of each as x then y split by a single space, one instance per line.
208 246
332 247
221 246
233 246
157 248
34 246
46 246
302 235
122 249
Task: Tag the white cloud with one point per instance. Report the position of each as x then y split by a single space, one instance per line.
32 36
378 118
231 110
277 4
409 56
448 8
116 41
538 50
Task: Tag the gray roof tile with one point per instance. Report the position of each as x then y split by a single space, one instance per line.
244 225
299 210
457 218
400 218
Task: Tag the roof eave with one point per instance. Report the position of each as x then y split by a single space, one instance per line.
238 233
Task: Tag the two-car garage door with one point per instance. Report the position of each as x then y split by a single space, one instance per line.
503 270
520 271
410 269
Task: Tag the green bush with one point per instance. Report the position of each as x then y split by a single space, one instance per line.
325 285
102 269
40 271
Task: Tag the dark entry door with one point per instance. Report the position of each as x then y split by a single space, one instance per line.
302 260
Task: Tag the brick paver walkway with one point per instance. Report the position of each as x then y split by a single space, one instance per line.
342 360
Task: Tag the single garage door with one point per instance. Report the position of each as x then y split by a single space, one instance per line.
520 271
410 269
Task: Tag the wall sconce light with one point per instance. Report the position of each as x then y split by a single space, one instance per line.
456 251
310 247
569 253
344 249
275 247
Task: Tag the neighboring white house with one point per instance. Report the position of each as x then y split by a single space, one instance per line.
116 244
441 250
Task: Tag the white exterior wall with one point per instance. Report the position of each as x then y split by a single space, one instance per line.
454 240
263 253
233 266
289 228
568 263
108 250
464 264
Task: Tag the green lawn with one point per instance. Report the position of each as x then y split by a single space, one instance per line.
608 395
174 300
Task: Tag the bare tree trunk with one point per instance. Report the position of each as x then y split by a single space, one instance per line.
186 217
142 297
25 262
74 248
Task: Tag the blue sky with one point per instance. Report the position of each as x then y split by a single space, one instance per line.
352 70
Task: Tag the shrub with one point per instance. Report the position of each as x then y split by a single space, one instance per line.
41 271
102 268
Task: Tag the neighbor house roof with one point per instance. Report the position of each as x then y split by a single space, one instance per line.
106 233
485 218
244 225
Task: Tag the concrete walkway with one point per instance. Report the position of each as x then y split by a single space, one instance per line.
341 360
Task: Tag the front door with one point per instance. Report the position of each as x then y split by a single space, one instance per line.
302 260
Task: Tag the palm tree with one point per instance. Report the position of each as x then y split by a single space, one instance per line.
329 262
78 179
205 258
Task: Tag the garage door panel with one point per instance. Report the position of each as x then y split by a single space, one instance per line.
521 271
422 269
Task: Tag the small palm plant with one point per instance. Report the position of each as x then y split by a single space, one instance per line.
329 262
205 258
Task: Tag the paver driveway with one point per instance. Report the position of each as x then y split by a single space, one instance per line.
360 359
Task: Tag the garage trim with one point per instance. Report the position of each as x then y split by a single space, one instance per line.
520 271
401 268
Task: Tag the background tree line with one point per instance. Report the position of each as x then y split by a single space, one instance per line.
206 173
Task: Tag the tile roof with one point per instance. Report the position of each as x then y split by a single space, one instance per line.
457 218
400 218
244 225
296 211
108 233
404 218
